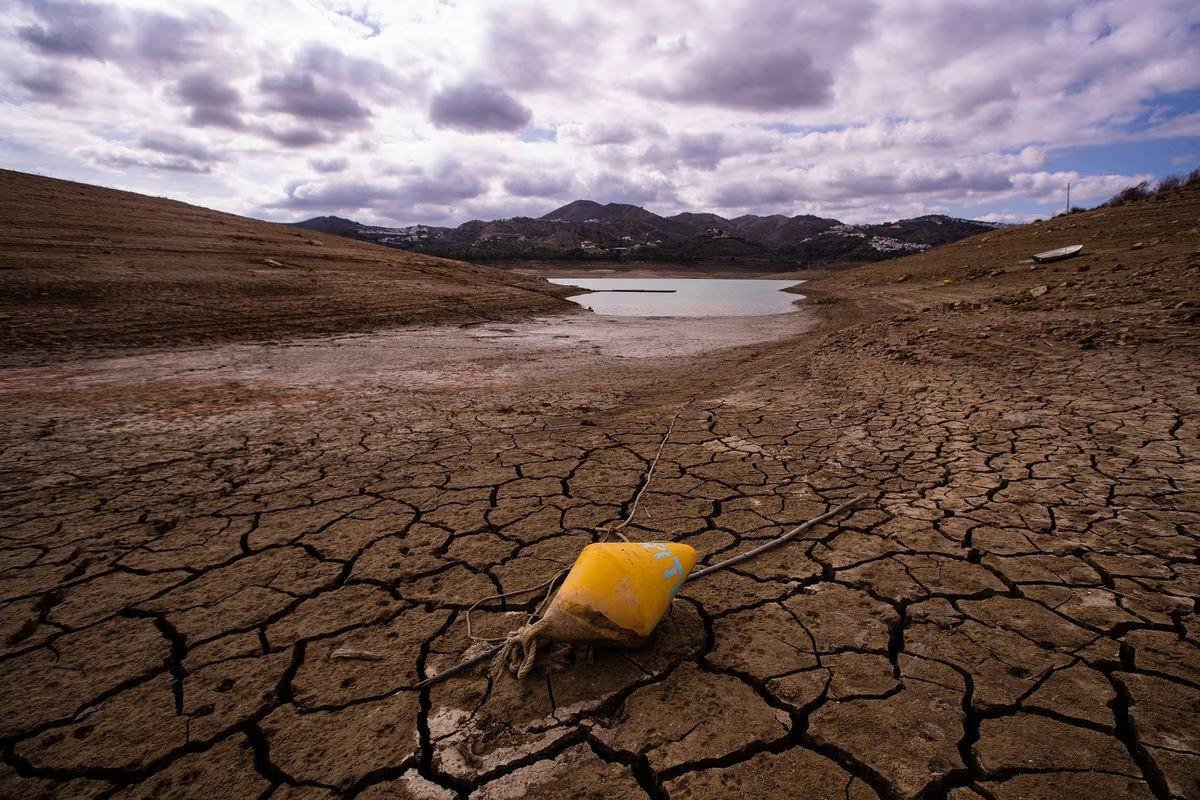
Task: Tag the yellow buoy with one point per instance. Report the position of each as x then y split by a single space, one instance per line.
615 593
620 590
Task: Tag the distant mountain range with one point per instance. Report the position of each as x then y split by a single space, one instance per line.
588 231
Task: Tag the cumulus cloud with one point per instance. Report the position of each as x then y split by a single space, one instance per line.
335 164
301 96
476 107
175 145
524 44
325 85
51 83
298 136
767 192
447 182
316 97
926 177
538 185
136 39
610 131
762 56
882 180
1007 217
1047 187
322 95
705 151
127 158
761 81
368 76
613 187
72 29
211 101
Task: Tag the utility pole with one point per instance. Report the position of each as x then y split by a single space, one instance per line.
1068 197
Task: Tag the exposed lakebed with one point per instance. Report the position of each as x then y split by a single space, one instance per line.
684 297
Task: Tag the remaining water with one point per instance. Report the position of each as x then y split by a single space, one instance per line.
692 297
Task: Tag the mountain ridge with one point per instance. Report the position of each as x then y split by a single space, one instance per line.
585 230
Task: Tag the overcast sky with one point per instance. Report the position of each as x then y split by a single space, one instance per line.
439 112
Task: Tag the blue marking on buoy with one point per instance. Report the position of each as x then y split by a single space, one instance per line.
676 570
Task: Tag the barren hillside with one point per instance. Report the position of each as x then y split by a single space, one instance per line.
84 268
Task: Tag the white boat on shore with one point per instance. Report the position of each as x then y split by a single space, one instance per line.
1059 254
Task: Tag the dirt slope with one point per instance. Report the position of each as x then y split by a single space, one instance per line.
84 268
1143 255
1015 614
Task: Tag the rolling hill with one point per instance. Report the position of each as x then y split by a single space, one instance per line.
88 269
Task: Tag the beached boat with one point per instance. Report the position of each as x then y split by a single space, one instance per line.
1059 254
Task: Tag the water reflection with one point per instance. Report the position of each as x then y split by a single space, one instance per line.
685 297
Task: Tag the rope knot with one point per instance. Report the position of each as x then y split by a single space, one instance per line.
518 653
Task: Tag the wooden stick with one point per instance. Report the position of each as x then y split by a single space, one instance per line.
349 652
771 545
461 666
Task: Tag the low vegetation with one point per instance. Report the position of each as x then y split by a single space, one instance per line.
1146 190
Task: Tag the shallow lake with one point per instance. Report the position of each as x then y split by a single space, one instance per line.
684 297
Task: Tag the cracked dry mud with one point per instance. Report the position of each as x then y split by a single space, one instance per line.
1013 615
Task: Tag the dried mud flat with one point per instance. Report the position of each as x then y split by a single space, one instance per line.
1013 615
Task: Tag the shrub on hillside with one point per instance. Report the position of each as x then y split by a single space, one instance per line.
1130 194
1168 183
1144 190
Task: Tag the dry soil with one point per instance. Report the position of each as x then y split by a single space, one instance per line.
187 534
